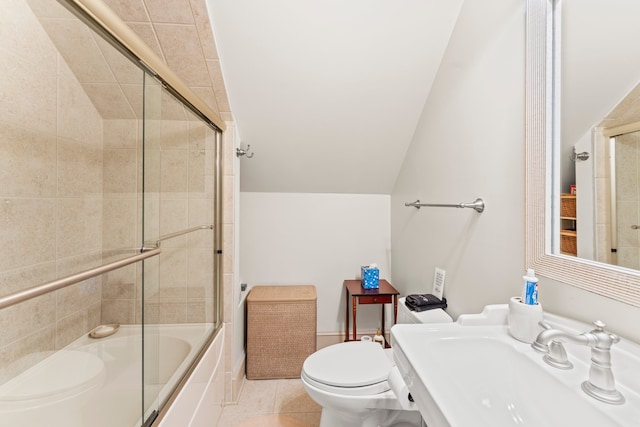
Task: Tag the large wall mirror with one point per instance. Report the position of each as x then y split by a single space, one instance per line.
583 144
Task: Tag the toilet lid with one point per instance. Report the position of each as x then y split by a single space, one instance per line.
350 364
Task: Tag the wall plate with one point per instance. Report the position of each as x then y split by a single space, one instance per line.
438 282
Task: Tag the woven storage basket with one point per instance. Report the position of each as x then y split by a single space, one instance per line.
281 330
568 206
568 244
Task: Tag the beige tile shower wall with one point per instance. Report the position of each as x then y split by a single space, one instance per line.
122 207
178 285
50 193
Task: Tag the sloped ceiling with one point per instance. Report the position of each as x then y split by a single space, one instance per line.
328 93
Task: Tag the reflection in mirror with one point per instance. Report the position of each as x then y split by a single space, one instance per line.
579 57
600 102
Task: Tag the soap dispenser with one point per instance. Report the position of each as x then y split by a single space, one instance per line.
379 338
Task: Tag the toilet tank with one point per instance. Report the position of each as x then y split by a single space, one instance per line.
430 316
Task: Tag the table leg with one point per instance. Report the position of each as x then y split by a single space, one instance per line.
346 329
395 309
354 304
383 330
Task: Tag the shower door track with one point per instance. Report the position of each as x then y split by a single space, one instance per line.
36 291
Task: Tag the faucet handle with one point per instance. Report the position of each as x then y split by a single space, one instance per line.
599 324
544 325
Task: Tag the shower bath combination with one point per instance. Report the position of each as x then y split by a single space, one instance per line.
110 215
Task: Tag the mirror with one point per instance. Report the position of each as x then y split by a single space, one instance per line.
597 77
578 71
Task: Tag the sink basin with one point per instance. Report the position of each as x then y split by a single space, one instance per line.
475 374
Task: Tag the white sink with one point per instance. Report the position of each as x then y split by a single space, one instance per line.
473 373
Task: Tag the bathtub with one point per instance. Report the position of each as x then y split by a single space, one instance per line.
98 382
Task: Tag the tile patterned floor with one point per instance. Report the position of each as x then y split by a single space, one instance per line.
272 403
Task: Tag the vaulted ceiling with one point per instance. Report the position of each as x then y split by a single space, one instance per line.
328 93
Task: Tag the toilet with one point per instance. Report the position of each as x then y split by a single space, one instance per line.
349 380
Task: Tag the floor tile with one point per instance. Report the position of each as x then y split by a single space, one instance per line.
272 403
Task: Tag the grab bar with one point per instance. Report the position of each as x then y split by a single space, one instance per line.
36 291
477 204
176 234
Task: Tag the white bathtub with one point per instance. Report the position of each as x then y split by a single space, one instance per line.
98 382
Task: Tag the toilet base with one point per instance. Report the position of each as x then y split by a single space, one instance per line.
374 418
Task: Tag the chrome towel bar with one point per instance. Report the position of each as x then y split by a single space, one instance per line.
477 204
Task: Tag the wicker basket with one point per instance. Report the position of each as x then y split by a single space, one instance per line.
568 243
281 330
567 206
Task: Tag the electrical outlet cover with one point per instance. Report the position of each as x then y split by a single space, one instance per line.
438 282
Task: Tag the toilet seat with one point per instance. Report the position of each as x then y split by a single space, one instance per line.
353 368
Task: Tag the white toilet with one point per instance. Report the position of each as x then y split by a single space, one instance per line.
349 380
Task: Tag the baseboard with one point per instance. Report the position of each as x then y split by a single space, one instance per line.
325 339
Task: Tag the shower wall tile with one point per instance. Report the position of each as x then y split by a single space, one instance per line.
118 311
197 310
203 25
78 119
124 70
75 43
31 87
77 298
228 211
174 164
110 100
70 328
145 31
228 248
228 291
183 52
170 11
120 284
79 169
120 172
21 320
172 311
175 135
30 225
120 230
26 277
173 273
206 94
121 134
18 18
28 162
173 218
79 226
215 73
200 273
198 185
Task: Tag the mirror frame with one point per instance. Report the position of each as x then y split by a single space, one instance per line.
541 112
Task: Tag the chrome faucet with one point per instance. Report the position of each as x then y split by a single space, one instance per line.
601 383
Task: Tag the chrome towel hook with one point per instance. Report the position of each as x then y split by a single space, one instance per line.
244 152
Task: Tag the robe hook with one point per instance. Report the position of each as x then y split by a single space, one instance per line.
244 152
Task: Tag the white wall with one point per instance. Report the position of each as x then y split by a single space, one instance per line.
318 239
469 143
